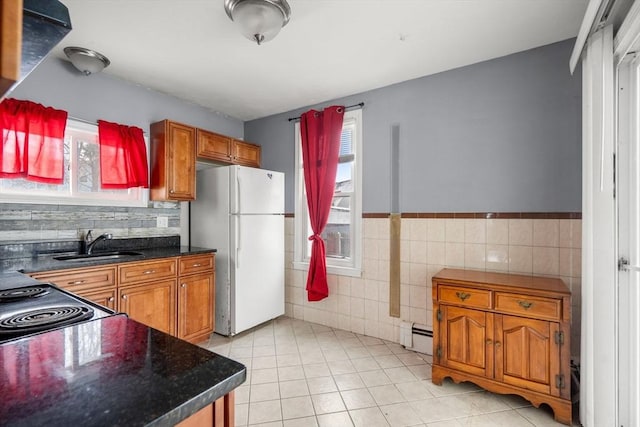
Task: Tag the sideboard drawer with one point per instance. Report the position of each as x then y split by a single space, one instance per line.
469 297
527 305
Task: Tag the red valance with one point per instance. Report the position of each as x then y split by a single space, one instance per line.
123 156
32 141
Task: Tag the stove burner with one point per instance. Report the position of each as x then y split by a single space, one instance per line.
22 293
43 318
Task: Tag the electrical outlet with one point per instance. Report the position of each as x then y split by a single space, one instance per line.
163 222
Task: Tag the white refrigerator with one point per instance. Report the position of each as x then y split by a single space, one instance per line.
240 212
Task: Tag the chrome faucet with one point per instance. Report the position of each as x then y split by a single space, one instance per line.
89 244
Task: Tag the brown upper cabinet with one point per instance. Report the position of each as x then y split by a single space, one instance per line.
224 149
10 43
173 161
174 148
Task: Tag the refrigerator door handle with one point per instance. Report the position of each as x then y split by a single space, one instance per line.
239 239
239 209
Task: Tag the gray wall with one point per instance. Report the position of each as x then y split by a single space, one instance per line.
498 136
56 83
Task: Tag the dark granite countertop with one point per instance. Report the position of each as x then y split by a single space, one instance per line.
33 257
47 262
107 372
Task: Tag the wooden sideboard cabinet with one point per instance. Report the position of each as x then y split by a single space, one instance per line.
506 333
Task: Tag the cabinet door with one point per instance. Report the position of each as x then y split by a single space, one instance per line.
465 336
213 146
526 353
106 298
196 307
181 141
11 24
153 304
246 154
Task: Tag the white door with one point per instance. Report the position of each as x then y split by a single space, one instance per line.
259 270
258 191
628 207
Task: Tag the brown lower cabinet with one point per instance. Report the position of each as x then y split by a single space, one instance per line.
506 333
196 296
220 413
175 295
106 298
153 304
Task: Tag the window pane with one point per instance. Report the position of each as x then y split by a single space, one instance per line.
337 233
346 141
345 167
20 185
88 166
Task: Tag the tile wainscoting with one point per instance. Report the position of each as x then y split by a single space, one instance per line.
539 244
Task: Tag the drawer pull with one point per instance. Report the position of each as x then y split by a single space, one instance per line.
149 272
498 344
525 304
489 342
196 265
462 295
124 297
110 299
77 282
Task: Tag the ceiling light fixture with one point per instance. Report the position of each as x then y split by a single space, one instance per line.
86 60
259 20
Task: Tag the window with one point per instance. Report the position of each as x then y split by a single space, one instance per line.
342 236
81 184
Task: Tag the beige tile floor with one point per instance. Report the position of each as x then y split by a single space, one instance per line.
304 374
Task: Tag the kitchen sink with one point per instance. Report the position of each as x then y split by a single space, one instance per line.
100 256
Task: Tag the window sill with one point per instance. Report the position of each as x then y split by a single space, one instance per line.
331 269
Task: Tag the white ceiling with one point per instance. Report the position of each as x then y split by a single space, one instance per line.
329 49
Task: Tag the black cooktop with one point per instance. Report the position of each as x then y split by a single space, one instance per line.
43 307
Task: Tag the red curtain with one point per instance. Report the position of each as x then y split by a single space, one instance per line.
320 133
32 141
123 156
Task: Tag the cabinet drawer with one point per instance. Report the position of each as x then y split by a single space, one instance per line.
526 305
145 271
196 264
465 296
80 280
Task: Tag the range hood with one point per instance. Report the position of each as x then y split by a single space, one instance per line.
44 24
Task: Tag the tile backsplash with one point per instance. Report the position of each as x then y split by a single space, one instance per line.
34 222
545 247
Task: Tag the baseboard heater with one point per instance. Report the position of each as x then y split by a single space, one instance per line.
416 337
